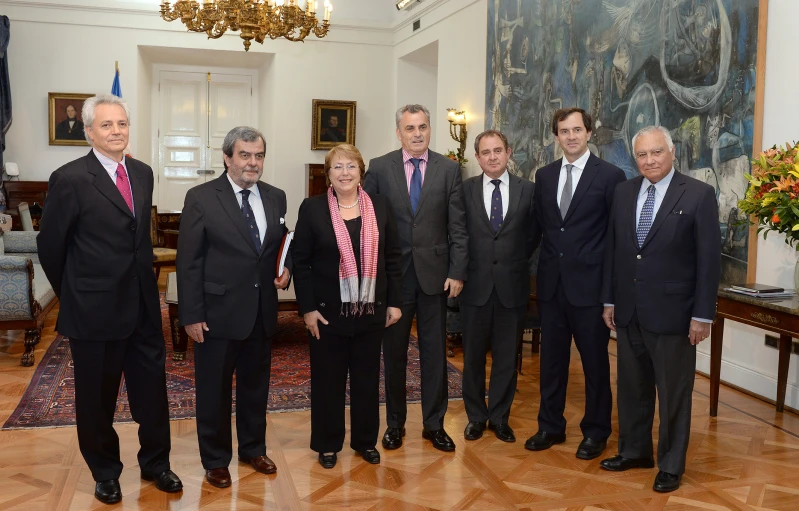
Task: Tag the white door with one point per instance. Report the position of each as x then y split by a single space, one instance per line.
196 112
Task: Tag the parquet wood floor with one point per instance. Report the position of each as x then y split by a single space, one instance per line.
745 459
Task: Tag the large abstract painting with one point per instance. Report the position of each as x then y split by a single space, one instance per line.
688 65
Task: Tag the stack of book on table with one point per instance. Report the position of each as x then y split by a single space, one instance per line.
762 291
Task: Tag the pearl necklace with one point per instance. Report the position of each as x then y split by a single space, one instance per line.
349 207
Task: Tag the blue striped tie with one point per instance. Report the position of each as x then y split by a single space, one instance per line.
647 212
416 184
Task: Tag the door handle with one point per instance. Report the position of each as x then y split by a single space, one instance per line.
206 172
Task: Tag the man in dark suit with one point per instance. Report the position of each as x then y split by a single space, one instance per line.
426 191
95 248
70 128
662 267
230 234
499 213
573 196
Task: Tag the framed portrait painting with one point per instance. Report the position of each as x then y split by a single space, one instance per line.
333 123
65 121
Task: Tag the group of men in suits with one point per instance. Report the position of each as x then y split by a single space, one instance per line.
640 257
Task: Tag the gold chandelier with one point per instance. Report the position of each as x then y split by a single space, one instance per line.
256 19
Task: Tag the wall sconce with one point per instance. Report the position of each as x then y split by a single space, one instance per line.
457 128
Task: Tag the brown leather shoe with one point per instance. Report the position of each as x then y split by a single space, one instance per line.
219 477
261 464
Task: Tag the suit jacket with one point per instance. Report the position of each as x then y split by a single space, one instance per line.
435 238
62 130
572 248
316 260
95 253
499 260
221 276
674 276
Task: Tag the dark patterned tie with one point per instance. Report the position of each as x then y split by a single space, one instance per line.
496 206
647 212
566 194
416 184
249 217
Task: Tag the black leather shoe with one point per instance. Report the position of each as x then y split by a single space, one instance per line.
370 456
619 463
440 439
665 482
543 440
590 448
108 492
474 430
503 432
166 481
328 460
392 438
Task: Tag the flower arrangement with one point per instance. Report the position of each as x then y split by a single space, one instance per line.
773 193
457 156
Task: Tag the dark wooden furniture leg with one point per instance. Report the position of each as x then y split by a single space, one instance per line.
716 344
782 370
180 339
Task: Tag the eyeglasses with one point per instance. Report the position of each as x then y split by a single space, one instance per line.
351 168
655 153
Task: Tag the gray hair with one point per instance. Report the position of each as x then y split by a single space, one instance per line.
243 133
649 129
412 109
89 106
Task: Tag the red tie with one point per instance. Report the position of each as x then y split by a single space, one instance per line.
124 186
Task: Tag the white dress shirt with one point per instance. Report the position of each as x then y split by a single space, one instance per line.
110 166
577 171
256 204
504 191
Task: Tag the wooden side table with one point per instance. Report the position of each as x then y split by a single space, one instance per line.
778 316
180 339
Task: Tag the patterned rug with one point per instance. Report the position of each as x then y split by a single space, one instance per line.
49 400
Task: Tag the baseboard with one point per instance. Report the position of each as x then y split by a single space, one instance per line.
749 381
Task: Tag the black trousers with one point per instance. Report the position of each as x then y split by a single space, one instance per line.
648 362
99 366
431 320
333 356
560 321
500 329
215 360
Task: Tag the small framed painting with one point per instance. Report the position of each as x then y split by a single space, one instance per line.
65 121
333 123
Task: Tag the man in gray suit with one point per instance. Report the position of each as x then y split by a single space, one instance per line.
426 191
661 276
499 216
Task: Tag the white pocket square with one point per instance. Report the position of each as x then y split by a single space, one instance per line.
282 221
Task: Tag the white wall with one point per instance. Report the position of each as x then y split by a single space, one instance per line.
460 28
417 82
352 64
747 363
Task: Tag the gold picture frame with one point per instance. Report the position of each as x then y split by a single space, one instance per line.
62 131
333 123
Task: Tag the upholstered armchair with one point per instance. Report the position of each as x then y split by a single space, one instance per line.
26 295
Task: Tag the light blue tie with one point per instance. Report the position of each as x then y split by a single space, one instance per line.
647 212
416 184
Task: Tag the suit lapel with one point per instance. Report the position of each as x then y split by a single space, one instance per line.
632 212
673 193
270 210
398 171
138 191
479 201
227 197
105 185
515 192
588 175
430 175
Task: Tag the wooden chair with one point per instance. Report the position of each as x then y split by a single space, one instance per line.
162 256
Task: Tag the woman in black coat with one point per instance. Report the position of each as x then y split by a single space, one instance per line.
346 255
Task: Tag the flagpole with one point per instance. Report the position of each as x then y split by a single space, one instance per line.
116 65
